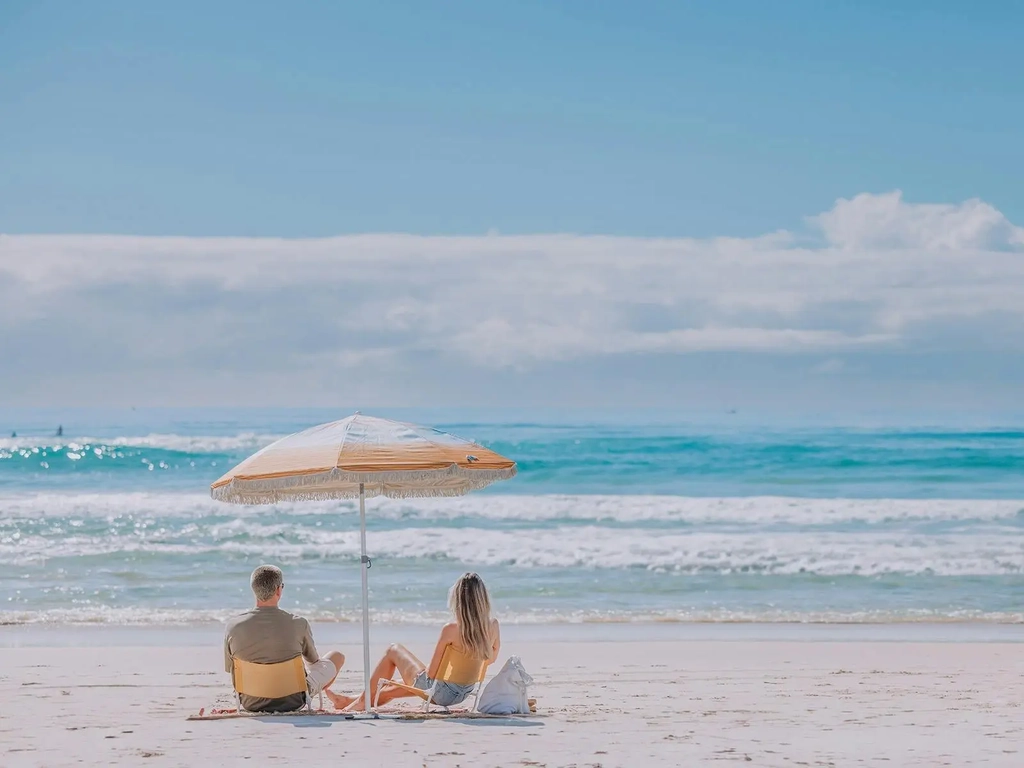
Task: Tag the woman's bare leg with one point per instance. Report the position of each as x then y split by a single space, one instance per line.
390 694
396 658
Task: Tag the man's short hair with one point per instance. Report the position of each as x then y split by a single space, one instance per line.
265 581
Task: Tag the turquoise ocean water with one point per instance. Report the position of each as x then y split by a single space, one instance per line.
610 519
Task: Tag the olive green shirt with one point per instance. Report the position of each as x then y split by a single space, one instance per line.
268 636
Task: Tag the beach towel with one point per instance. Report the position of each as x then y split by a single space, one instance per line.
394 713
234 713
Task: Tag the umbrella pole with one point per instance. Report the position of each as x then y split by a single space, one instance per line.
365 563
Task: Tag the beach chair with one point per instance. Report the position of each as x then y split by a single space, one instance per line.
271 681
456 667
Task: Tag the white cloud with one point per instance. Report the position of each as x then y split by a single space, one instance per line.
886 221
115 314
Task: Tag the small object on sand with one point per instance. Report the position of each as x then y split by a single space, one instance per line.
533 704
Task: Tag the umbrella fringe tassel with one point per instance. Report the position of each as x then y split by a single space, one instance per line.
342 484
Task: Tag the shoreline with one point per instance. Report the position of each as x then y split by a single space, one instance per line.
350 634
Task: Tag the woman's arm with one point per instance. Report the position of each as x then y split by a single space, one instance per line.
496 647
449 634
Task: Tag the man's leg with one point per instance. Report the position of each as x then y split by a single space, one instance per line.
338 659
324 672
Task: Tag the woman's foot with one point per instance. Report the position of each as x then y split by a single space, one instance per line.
339 701
358 704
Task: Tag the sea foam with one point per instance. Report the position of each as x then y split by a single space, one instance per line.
606 509
672 534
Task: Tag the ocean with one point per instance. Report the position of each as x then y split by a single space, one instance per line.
611 519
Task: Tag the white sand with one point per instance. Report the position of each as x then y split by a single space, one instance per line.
623 703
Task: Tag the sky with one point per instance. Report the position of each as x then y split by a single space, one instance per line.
756 205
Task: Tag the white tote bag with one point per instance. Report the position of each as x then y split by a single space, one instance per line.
506 694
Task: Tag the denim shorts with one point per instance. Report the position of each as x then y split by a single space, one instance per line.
446 694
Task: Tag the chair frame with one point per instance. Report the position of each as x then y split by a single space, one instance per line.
446 668
294 665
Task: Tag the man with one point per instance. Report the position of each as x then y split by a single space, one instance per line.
267 635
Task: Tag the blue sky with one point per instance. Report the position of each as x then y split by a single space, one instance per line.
756 205
648 119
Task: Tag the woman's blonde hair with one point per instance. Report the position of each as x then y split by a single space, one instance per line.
471 607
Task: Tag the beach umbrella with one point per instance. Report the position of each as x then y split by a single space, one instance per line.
362 456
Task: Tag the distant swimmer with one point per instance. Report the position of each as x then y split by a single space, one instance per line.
60 431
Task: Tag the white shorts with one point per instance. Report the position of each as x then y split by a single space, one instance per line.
319 675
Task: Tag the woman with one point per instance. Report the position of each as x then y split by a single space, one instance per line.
473 632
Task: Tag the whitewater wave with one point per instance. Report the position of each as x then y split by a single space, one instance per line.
558 547
192 444
523 509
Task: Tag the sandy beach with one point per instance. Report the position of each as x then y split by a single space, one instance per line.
797 696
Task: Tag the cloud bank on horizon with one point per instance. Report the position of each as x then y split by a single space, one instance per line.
876 293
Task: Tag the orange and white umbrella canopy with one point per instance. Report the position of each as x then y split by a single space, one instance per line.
386 458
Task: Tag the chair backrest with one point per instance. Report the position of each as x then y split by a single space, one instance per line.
269 681
459 668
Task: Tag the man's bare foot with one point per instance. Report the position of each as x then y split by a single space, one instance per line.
339 701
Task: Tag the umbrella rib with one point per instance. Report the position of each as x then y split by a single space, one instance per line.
344 436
